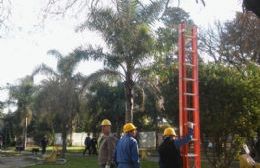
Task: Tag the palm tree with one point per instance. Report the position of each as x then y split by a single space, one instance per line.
21 96
126 29
62 97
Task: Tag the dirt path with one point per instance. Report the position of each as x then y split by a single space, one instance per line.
15 161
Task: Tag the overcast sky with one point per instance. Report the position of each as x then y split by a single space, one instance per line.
25 45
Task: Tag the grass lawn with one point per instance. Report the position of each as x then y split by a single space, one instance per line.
75 160
91 162
87 162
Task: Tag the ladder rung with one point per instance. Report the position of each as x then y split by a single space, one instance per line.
189 94
191 155
190 109
189 79
187 124
189 36
188 64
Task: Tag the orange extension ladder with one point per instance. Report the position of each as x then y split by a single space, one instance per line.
189 94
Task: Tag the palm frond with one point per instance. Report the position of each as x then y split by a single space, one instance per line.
99 19
43 69
79 77
127 9
113 61
99 75
89 53
150 13
55 53
67 65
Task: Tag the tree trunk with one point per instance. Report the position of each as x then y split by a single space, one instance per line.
64 142
129 96
71 129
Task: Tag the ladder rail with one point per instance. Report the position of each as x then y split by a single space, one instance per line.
182 89
195 89
181 52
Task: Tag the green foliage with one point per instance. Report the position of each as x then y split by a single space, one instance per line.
105 101
167 35
173 16
229 110
124 32
229 106
9 129
162 76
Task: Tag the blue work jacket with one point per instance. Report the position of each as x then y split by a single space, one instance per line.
182 141
126 153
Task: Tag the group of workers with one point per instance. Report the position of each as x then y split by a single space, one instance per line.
123 152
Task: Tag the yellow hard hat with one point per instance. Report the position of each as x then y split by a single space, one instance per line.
169 132
106 122
128 127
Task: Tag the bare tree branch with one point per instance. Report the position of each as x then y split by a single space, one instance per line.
5 12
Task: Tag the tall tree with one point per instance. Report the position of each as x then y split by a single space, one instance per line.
21 96
126 29
62 95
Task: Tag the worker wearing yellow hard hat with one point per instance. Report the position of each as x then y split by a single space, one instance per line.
106 145
169 132
127 149
169 149
129 127
106 122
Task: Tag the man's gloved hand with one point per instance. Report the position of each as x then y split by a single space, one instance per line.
190 125
107 166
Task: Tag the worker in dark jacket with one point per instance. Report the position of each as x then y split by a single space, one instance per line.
169 150
126 155
87 144
44 143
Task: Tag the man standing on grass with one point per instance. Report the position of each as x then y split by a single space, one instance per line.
106 145
126 155
44 143
87 144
